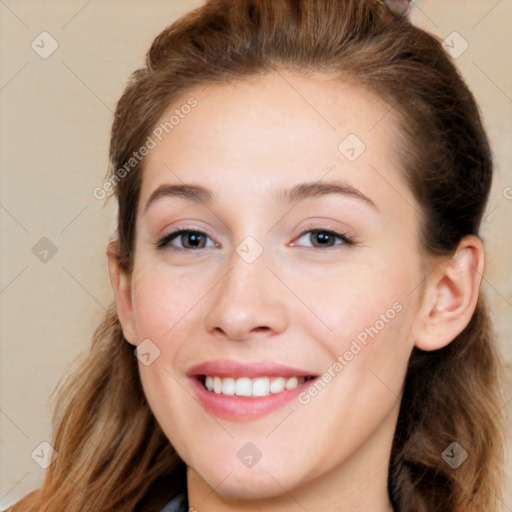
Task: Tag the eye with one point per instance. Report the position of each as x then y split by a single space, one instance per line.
324 238
189 239
193 239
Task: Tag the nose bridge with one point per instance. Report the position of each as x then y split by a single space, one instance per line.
246 300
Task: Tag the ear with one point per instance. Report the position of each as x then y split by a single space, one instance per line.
121 283
451 294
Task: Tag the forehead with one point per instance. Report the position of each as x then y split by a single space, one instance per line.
275 130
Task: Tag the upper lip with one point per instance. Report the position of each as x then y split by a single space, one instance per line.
236 369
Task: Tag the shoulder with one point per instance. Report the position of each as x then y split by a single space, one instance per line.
178 504
24 503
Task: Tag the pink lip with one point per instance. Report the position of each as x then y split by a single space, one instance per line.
243 408
230 368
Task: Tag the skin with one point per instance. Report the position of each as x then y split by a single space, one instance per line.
297 303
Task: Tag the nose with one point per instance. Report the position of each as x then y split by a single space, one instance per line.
248 302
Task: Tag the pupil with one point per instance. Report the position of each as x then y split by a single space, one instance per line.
322 237
193 239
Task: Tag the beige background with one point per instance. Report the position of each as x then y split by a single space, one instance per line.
55 121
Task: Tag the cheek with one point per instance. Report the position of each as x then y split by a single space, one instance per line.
165 313
162 302
371 312
364 301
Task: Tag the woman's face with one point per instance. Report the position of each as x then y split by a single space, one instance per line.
301 261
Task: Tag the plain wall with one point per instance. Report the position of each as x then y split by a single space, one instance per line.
56 114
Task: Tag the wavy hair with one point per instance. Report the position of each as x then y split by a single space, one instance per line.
113 456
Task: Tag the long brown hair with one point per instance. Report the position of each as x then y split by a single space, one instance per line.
113 456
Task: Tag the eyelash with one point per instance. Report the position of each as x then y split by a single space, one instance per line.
166 239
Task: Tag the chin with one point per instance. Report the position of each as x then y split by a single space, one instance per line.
251 487
256 483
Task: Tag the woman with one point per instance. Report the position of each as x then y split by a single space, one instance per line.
297 269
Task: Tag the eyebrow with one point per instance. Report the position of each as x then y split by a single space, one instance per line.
300 191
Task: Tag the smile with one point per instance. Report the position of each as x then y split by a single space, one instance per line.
246 391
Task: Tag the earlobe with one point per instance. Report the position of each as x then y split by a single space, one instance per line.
121 284
451 295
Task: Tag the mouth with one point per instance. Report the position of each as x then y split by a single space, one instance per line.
246 391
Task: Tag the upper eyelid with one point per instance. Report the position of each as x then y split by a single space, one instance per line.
347 238
175 233
178 231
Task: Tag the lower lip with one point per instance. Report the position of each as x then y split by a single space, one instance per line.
244 408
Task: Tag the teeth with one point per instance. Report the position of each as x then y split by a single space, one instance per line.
243 386
261 386
217 385
228 386
277 385
292 383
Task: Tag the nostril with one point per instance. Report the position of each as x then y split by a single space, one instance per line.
259 329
